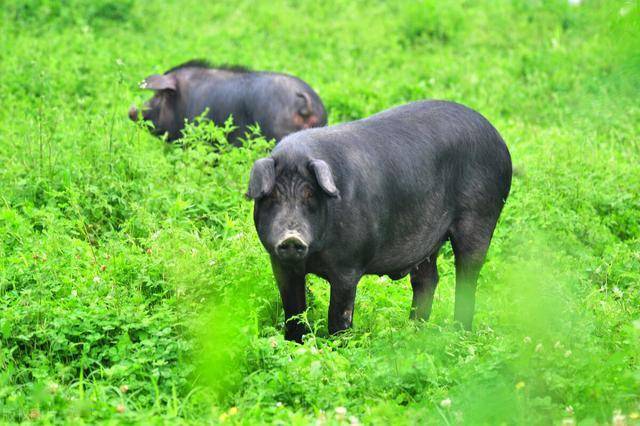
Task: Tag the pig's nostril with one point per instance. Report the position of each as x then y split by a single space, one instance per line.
291 248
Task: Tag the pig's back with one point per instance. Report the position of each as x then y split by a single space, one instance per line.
412 143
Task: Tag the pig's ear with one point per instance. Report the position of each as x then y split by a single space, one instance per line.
159 82
262 179
324 176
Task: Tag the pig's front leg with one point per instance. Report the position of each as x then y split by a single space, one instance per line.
291 284
341 302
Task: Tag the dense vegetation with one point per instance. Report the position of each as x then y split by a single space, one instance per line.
133 287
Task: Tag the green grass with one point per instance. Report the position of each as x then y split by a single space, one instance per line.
133 288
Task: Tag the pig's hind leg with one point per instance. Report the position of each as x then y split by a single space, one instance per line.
424 280
470 238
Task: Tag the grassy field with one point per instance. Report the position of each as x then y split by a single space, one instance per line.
133 288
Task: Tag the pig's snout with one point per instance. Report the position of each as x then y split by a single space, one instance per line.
292 248
133 113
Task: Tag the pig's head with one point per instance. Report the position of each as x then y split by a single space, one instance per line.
163 109
291 205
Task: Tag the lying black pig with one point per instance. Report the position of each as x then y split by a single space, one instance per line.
281 104
381 196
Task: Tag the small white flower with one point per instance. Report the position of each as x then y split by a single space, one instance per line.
278 404
558 345
322 418
96 279
567 354
539 347
527 339
617 292
619 419
445 403
341 411
74 293
569 410
353 420
53 387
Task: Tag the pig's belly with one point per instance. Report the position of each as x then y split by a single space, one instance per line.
397 258
401 258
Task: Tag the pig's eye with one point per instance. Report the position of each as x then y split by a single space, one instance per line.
307 194
273 197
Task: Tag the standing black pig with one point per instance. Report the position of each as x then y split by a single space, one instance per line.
381 196
279 103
